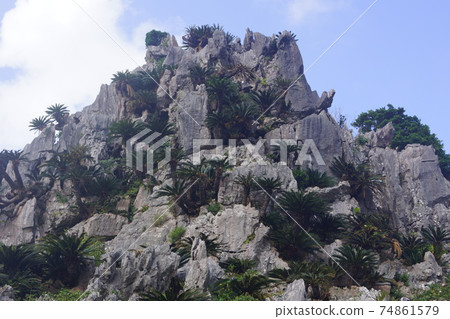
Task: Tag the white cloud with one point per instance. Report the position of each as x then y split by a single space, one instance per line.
62 56
301 11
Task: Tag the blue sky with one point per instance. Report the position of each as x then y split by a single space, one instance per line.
398 53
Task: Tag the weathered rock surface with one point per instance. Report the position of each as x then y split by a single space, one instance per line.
381 137
240 235
416 193
203 270
231 192
21 228
6 293
322 129
353 294
421 275
102 225
425 273
295 291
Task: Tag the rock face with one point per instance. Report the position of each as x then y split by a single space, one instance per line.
230 192
104 225
416 193
381 137
6 293
240 234
295 291
426 272
421 275
353 294
323 130
138 255
21 228
203 270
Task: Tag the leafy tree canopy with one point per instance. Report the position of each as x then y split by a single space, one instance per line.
155 37
408 130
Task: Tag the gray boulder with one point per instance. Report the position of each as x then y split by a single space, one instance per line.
425 273
295 291
6 293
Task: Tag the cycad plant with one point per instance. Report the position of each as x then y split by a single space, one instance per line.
66 256
175 292
141 101
176 193
123 81
59 113
361 264
264 99
238 266
437 237
220 166
249 283
363 181
199 74
125 129
197 36
39 123
20 267
222 91
305 208
292 242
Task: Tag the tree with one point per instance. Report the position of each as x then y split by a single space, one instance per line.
141 101
408 130
292 242
176 193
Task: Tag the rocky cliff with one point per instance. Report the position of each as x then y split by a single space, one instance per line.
138 253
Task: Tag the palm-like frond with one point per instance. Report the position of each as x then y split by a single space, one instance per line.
39 123
66 256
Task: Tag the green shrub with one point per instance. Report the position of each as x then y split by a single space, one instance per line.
159 220
439 291
176 234
67 295
361 140
402 277
155 37
214 208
